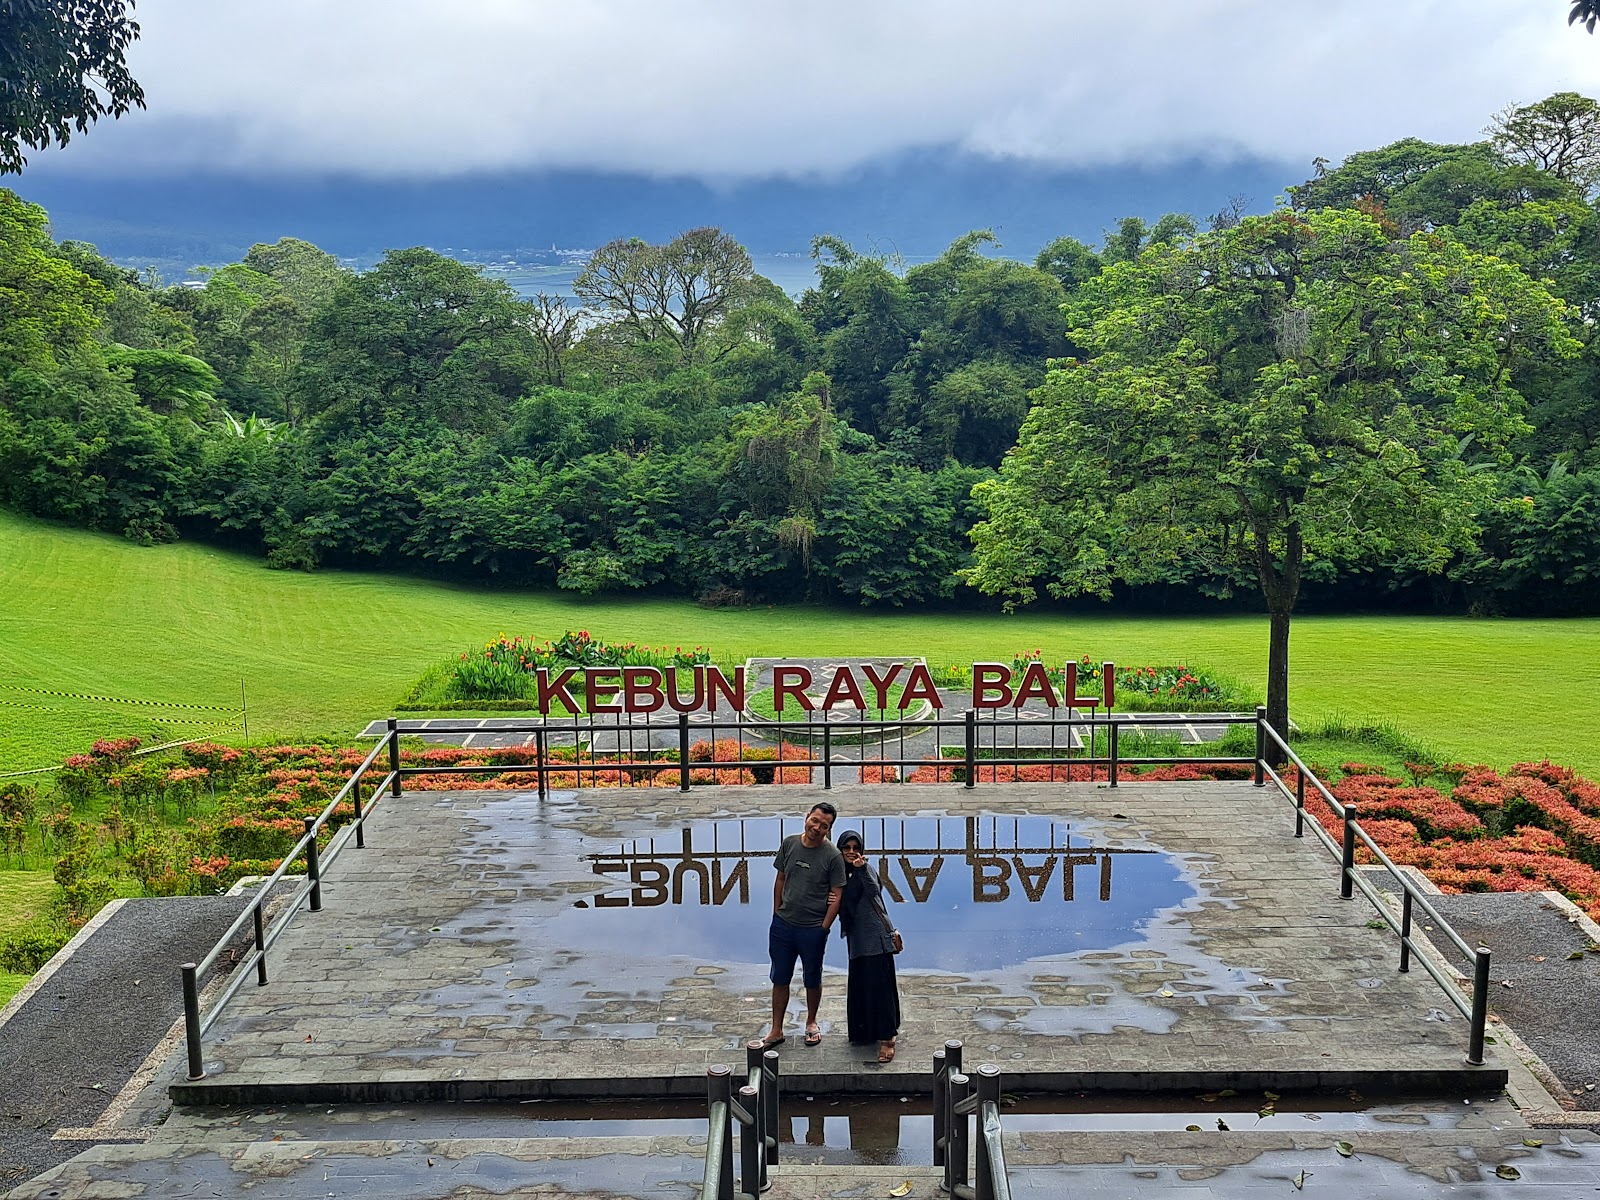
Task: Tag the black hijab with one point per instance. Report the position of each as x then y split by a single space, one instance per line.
852 895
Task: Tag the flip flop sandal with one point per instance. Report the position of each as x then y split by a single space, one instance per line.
813 1037
767 1043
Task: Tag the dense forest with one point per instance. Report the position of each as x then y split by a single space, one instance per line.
685 425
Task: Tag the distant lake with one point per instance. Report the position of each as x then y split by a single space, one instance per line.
794 273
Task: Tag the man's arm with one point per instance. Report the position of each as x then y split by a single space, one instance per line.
834 896
777 893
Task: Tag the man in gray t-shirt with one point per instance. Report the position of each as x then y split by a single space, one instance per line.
805 903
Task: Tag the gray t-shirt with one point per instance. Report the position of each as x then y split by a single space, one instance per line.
809 873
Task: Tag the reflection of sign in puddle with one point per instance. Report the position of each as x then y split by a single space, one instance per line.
969 893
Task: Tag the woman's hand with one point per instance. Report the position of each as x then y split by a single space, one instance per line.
854 857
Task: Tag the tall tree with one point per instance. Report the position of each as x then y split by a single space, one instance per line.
1263 401
676 293
1559 135
61 68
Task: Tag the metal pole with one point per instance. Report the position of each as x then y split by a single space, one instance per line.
1405 931
1261 745
1347 868
941 1085
191 1020
752 1162
955 1163
261 945
827 753
1299 803
719 1089
1480 1005
539 756
313 869
769 1103
1111 749
972 749
394 758
244 713
683 752
756 1075
360 818
988 1098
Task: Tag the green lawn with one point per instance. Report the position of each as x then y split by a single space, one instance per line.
85 613
23 895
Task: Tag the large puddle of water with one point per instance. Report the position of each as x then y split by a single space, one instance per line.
968 893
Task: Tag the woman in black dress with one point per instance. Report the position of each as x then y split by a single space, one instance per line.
872 996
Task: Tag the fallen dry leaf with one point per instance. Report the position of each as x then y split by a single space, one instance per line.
1345 1149
903 1190
1506 1171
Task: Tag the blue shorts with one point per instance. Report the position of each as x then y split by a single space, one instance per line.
786 942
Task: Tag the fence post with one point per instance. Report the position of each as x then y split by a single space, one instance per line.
719 1090
394 758
191 1019
988 1093
769 1104
1405 929
1480 1005
955 1161
752 1160
1299 803
261 944
1111 749
972 749
941 1085
683 752
313 868
1261 745
1347 861
360 816
539 742
827 753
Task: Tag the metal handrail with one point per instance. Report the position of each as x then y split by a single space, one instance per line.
955 1098
1352 880
755 1108
197 1024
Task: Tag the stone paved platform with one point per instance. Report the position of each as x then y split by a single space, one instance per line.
1395 1164
487 945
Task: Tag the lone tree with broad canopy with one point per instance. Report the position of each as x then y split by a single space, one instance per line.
1259 402
61 68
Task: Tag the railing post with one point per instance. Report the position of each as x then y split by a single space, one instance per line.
941 1085
394 758
1347 860
360 817
988 1094
1111 749
1261 745
683 752
959 1139
827 752
769 1104
1299 802
719 1090
752 1161
1405 929
1480 1006
313 868
261 944
972 749
540 739
191 1020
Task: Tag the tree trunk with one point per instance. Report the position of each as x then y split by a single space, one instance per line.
1280 585
1278 679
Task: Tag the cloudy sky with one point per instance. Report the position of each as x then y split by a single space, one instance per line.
742 89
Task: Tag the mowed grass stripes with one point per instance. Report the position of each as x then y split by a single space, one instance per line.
324 652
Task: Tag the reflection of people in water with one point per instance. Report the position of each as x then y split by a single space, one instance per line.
872 996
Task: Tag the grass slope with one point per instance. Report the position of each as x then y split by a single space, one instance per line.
82 612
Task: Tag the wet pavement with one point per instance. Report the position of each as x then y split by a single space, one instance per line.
611 944
489 945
